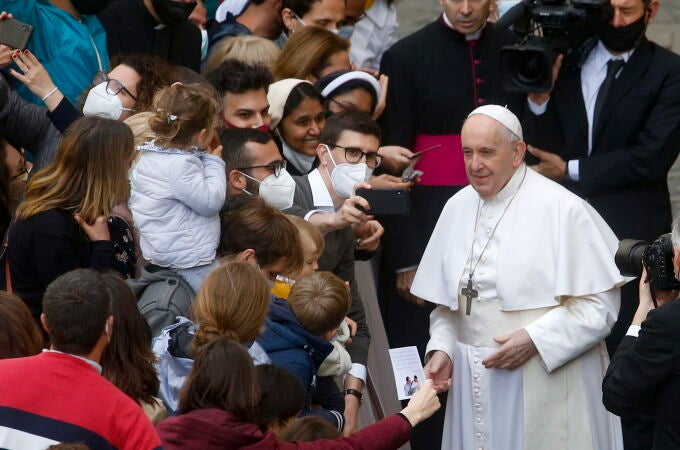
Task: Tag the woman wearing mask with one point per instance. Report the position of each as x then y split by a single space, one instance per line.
62 223
296 110
127 89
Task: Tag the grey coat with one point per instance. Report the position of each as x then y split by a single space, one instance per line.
26 125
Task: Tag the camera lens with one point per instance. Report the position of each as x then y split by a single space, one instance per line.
529 67
629 257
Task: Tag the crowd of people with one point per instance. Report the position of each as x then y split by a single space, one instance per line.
181 221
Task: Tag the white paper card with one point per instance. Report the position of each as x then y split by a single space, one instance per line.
408 371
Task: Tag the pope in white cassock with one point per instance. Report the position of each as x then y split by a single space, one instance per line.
523 272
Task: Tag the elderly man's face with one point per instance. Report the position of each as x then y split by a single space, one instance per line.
490 160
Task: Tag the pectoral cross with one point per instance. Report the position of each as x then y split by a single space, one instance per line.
469 294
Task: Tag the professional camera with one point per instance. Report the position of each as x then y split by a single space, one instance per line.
549 28
656 257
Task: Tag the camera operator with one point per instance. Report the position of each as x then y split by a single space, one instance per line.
643 378
610 130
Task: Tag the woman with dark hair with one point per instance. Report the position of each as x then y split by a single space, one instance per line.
128 88
282 397
296 110
128 361
349 89
19 334
6 209
221 395
62 223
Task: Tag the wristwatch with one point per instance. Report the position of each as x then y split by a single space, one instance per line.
567 176
355 392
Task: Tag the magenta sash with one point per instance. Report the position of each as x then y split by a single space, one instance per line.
442 166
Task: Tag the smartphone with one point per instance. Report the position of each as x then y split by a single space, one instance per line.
15 34
420 153
386 202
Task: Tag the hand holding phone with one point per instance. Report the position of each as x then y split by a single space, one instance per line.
386 202
13 33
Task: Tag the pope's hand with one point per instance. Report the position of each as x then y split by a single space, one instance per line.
439 369
516 349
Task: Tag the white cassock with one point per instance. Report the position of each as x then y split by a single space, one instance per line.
549 268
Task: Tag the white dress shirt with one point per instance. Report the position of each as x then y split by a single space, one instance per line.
593 74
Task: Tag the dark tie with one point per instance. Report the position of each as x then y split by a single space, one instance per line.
613 66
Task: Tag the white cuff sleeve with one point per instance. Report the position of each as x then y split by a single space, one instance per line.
312 212
442 332
633 330
537 109
358 371
406 269
572 167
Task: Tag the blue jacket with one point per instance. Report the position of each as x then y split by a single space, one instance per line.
71 51
291 347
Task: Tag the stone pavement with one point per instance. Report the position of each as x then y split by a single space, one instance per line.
665 31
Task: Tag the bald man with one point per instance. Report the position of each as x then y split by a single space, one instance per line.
523 276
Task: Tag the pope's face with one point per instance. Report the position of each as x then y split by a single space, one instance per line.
490 160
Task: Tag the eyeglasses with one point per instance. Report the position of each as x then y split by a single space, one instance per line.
22 168
354 155
276 167
113 87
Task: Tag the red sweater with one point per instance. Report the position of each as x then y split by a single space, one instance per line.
54 397
216 429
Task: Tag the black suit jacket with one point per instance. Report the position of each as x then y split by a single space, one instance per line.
338 257
634 147
130 28
644 376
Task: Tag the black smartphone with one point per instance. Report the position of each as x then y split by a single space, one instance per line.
15 34
386 202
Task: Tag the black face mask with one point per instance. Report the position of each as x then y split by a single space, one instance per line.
623 39
90 7
172 12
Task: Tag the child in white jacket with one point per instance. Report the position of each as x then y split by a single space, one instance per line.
178 186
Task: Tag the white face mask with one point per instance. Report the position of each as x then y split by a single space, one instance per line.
278 192
100 103
345 176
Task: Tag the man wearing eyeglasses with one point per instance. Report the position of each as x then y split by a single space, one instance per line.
348 153
255 166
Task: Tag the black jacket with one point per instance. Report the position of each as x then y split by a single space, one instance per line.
644 377
130 28
638 140
47 245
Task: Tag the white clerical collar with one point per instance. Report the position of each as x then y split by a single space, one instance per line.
511 188
303 163
321 196
95 366
468 37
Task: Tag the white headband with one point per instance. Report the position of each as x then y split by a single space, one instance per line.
349 76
